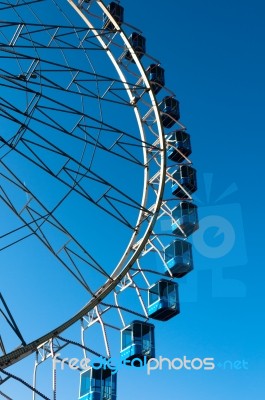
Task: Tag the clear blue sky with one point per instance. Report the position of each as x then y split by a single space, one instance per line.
213 55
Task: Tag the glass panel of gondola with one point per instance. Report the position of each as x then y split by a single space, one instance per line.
178 258
107 392
156 75
184 219
137 333
95 380
138 43
147 339
166 304
170 111
117 12
184 181
179 146
172 295
153 294
84 384
98 384
142 344
127 338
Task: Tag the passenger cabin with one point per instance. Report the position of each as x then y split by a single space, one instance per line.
170 111
163 300
137 342
178 258
179 146
138 43
184 181
185 219
156 76
117 12
98 384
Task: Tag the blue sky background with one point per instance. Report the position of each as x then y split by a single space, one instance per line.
213 55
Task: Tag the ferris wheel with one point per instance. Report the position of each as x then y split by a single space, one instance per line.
95 193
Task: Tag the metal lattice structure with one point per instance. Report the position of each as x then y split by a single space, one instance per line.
84 132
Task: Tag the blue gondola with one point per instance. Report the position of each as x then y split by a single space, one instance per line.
156 76
137 343
117 12
98 384
179 146
170 111
138 43
178 257
185 219
163 300
184 181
